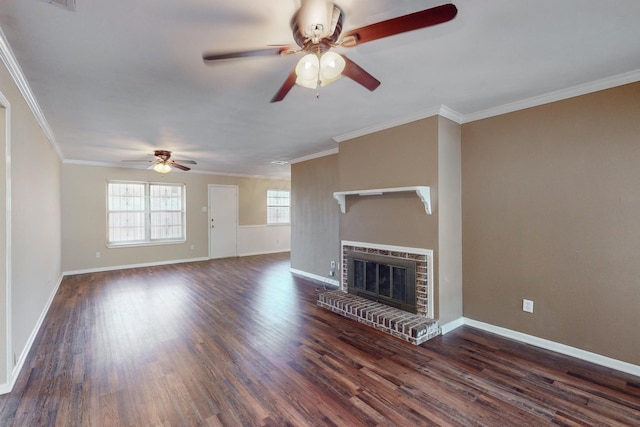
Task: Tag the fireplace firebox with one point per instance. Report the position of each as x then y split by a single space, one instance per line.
385 279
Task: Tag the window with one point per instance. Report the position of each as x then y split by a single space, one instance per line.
277 207
141 212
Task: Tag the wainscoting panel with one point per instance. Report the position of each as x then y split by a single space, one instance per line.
263 239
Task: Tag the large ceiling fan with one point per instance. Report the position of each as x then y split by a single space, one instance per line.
163 162
317 28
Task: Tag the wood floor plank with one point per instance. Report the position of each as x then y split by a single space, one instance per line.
241 342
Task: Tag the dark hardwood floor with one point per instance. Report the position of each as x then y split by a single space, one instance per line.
240 342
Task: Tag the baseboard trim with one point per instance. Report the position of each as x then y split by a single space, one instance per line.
587 356
448 327
128 266
279 251
155 264
315 277
7 387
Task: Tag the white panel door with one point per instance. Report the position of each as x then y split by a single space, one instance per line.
223 221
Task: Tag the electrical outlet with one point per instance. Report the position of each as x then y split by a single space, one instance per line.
527 305
97 254
332 271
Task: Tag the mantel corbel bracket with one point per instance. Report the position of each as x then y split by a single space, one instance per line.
422 191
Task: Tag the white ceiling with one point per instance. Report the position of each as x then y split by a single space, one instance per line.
117 79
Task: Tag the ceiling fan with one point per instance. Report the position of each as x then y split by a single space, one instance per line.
317 28
163 162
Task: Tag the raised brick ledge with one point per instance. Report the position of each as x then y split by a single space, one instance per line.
410 327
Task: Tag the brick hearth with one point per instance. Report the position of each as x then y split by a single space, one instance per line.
410 327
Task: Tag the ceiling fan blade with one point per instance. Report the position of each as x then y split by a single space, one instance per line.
359 75
173 164
189 162
402 24
270 51
286 87
136 161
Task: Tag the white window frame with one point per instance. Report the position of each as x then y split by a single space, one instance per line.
148 212
275 219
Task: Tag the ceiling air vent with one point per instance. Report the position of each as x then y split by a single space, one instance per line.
67 4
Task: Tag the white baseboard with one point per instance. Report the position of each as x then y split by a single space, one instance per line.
128 266
7 387
279 251
448 327
156 263
587 356
315 277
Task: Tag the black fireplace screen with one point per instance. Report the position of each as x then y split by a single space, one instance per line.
388 280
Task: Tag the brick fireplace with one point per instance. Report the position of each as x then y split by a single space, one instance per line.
413 327
423 259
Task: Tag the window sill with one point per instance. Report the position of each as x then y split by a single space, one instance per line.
141 244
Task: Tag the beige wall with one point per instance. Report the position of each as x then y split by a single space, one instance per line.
252 197
84 214
551 212
34 210
403 156
424 152
315 221
408 155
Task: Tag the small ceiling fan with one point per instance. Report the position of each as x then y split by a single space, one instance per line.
163 162
317 28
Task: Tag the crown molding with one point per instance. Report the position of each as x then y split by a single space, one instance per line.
192 171
449 113
314 156
443 111
559 95
10 61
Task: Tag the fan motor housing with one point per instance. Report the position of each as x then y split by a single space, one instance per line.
162 154
303 39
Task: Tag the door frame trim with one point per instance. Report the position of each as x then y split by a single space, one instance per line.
11 370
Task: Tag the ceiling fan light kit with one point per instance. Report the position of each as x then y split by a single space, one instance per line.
312 70
307 71
162 167
163 163
317 28
331 68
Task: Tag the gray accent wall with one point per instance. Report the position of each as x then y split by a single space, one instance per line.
315 216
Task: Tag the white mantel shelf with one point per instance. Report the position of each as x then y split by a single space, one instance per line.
423 192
